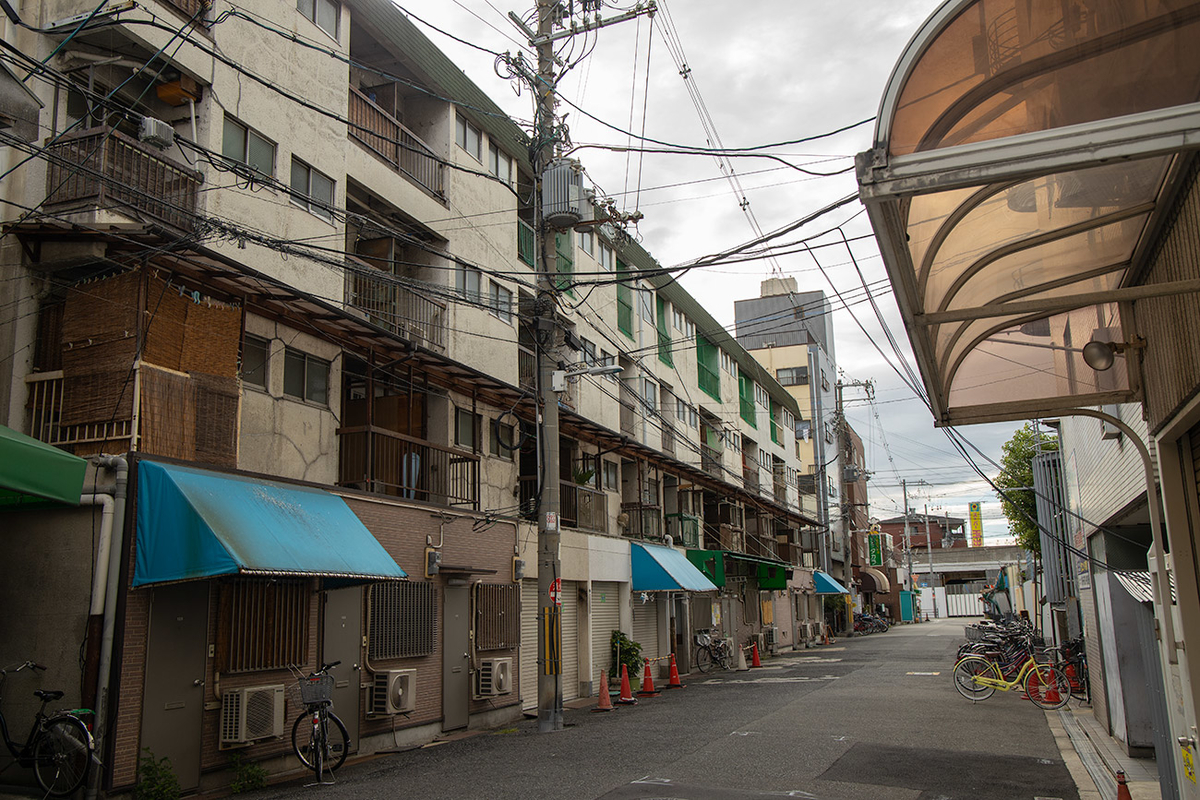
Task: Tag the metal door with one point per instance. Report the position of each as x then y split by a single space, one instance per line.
606 618
456 643
173 702
343 642
645 624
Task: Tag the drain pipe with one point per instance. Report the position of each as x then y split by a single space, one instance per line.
111 567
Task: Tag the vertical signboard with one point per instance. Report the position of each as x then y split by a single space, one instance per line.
976 517
875 549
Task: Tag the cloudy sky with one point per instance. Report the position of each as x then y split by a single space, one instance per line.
760 71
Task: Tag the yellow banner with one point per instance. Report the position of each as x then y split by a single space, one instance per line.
976 517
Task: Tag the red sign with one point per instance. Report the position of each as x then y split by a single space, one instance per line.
556 591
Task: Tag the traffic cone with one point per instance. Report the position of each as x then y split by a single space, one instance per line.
1052 695
741 667
626 698
755 662
1122 787
674 682
605 702
647 689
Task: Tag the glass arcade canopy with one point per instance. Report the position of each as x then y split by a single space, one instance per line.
1025 152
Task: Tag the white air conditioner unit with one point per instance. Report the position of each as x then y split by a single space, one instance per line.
251 713
394 692
494 677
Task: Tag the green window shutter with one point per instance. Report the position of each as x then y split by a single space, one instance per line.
624 302
708 366
526 244
775 429
664 335
746 400
565 263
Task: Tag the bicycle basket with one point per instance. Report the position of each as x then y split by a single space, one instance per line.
974 634
703 639
316 689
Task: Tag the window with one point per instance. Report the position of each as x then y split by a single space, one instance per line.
502 445
263 624
650 395
466 428
305 377
728 364
789 421
735 441
664 335
469 138
824 381
255 351
611 481
686 413
761 397
587 242
684 325
311 189
792 376
764 459
322 13
467 283
709 379
589 353
646 305
607 257
245 146
500 163
607 359
500 301
403 619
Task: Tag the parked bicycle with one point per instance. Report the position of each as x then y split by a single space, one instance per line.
319 738
976 678
59 747
869 623
711 652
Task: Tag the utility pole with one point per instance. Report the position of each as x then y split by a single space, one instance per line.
907 533
929 547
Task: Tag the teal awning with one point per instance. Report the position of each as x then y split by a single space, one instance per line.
657 569
193 523
825 584
33 472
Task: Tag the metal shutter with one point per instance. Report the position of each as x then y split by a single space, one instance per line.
529 643
606 618
645 624
570 640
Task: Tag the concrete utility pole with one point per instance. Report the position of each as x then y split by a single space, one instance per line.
907 533
929 546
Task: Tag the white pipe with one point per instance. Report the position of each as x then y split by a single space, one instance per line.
100 574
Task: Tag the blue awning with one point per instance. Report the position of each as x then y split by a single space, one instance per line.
825 584
658 569
193 523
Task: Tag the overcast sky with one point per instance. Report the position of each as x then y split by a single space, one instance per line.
764 72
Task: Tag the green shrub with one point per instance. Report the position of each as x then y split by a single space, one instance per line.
247 775
156 779
625 651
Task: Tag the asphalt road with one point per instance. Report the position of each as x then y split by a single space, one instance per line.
871 717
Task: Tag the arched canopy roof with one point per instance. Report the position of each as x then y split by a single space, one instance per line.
1025 152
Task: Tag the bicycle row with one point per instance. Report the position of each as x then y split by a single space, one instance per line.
1007 656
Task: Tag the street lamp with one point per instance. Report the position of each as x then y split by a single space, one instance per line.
558 378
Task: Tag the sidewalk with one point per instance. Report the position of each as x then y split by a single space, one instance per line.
1093 757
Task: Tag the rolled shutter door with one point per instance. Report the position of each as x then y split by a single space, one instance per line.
529 643
570 640
645 625
606 618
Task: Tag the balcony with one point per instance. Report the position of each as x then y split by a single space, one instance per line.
583 508
684 529
378 460
526 244
643 520
395 308
710 461
106 168
750 478
384 135
526 369
45 406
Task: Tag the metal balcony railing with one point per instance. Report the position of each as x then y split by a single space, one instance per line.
750 478
710 461
394 307
684 529
386 136
526 243
582 507
103 166
526 369
644 520
378 460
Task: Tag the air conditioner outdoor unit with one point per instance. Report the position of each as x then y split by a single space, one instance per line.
771 638
251 713
394 692
494 677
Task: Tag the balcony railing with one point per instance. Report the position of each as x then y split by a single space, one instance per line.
710 461
105 167
644 520
526 244
384 135
684 529
750 478
583 508
526 369
378 460
394 307
189 8
45 410
780 492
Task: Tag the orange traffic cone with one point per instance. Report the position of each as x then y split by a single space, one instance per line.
755 661
605 702
1052 695
647 689
674 682
1122 787
626 698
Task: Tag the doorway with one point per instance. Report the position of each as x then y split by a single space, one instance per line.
456 673
343 642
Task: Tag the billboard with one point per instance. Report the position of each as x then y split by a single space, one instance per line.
875 549
975 514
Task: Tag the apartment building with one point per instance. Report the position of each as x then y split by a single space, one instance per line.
279 264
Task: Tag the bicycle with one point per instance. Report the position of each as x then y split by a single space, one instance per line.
976 678
710 651
59 747
318 752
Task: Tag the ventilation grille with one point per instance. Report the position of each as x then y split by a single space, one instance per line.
403 619
497 616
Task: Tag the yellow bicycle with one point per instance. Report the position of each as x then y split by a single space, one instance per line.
977 678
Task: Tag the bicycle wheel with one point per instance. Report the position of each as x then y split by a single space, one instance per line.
62 755
965 673
704 659
724 659
1047 687
303 744
337 742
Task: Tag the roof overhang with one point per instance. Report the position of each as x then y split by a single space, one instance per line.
1023 164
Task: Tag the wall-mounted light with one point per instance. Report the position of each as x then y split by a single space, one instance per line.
1099 355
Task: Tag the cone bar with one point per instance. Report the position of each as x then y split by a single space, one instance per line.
647 689
626 698
605 702
674 682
